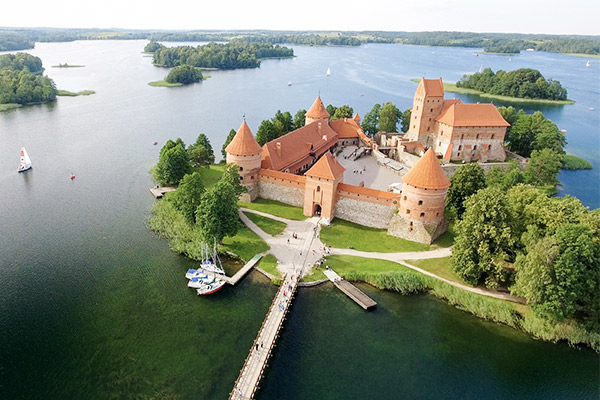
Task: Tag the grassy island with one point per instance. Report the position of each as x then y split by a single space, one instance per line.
164 83
65 65
452 88
67 93
571 162
9 106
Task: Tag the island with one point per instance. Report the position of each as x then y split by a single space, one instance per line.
22 81
179 76
66 65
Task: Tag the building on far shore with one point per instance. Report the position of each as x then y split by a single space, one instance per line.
300 168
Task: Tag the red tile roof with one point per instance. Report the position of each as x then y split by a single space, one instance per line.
282 175
460 114
427 173
433 87
317 110
287 150
356 118
243 143
345 128
327 167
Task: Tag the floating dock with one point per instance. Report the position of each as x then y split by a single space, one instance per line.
158 192
350 290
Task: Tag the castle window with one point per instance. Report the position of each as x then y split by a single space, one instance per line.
492 136
437 214
431 110
439 143
422 215
408 211
477 137
462 136
420 202
241 169
458 154
318 188
417 108
241 178
474 147
460 146
414 126
404 197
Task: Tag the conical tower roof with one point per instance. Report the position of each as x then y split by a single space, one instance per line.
427 173
327 167
357 118
317 110
243 143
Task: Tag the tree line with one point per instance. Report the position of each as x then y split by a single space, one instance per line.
524 83
19 39
21 80
235 54
510 233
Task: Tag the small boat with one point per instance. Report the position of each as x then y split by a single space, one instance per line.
25 161
210 289
289 83
563 130
328 71
587 64
591 108
155 143
72 176
509 59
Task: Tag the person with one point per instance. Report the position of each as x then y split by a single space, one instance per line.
288 240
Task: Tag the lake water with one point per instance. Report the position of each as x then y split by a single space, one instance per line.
93 305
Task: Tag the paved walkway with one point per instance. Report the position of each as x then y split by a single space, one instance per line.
279 247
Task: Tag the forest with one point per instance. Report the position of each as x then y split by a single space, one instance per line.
235 54
18 39
21 80
524 83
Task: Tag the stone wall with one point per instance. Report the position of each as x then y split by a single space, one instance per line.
364 213
293 196
423 232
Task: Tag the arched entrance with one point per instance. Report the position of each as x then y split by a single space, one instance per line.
316 210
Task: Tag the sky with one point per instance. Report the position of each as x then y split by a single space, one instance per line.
515 16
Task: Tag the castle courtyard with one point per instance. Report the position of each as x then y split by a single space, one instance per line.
374 175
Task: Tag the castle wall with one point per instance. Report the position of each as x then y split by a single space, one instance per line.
282 187
422 232
364 212
471 143
423 205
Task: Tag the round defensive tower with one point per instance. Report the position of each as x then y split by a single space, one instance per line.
245 152
420 216
317 112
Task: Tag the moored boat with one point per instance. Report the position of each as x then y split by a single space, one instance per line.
210 288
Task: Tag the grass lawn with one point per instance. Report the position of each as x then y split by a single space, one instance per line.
246 244
275 208
343 264
268 225
315 275
342 234
269 264
211 175
438 266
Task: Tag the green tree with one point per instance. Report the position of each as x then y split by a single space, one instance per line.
370 122
173 165
152 46
227 141
559 275
232 176
405 124
465 182
331 109
184 74
299 119
485 239
389 116
344 111
217 214
266 132
543 167
533 132
504 179
201 152
187 196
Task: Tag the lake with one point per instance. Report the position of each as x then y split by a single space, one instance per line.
95 306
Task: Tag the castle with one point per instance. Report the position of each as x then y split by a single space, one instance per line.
300 169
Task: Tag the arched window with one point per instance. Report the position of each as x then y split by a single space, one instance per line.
404 197
420 202
408 211
422 215
241 169
492 136
318 188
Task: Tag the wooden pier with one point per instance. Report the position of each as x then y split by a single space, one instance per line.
251 373
233 280
350 290
158 192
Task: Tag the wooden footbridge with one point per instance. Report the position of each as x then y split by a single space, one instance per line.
350 290
247 383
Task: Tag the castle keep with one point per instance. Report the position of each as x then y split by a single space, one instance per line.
300 169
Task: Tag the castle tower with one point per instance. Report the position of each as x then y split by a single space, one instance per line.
245 152
321 186
420 216
317 112
427 105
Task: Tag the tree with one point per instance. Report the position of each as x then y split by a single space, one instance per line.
389 117
465 182
485 239
331 109
370 122
217 213
405 120
184 74
559 275
532 132
152 46
299 119
173 165
232 176
227 141
344 111
265 133
543 168
187 196
201 152
504 179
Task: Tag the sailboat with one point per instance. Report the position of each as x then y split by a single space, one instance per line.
328 71
25 161
587 64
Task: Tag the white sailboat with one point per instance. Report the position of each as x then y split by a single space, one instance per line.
328 71
25 161
587 64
